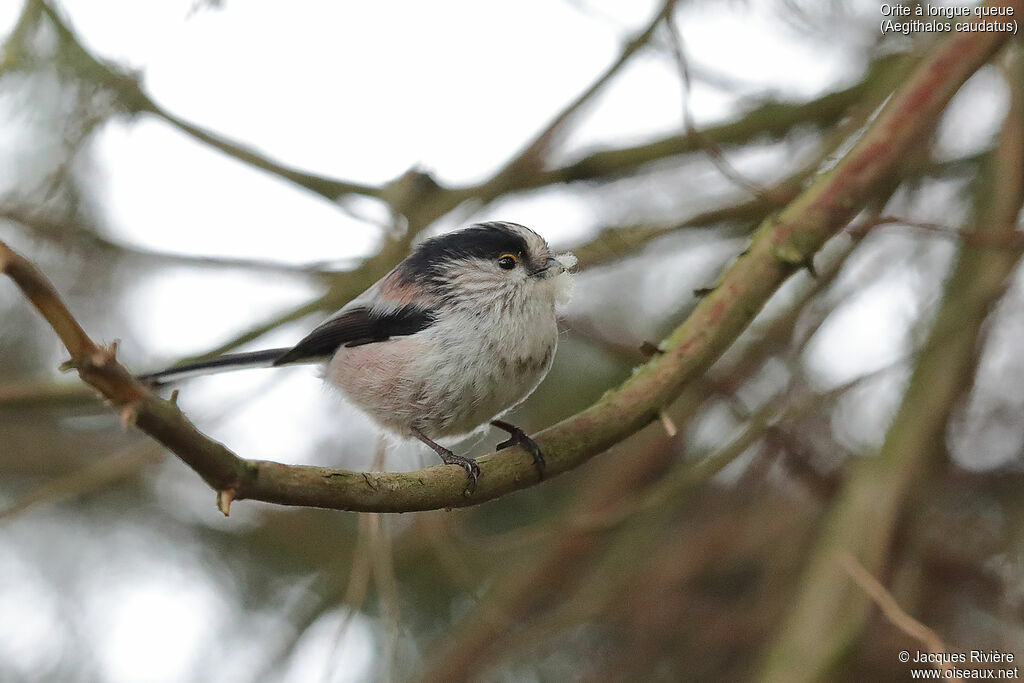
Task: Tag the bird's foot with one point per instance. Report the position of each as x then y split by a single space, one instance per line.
468 464
517 437
449 458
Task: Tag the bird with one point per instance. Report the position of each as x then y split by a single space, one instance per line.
450 340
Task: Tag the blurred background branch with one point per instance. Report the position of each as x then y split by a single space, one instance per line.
829 611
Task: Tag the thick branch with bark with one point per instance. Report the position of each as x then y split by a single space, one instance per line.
780 246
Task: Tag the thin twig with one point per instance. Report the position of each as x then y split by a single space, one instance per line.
355 592
1009 238
123 464
136 100
711 150
532 155
59 230
892 610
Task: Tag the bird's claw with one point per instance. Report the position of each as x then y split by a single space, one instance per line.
449 458
468 464
517 437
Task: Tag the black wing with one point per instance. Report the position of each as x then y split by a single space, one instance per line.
357 327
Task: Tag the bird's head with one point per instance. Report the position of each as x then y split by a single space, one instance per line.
492 263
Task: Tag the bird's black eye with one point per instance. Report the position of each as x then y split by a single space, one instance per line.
507 262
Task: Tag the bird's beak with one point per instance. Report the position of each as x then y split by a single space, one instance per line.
551 267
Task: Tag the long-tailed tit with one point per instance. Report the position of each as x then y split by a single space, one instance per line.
453 337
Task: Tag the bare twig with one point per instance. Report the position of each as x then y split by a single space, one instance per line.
530 159
892 610
711 149
770 120
355 592
48 391
1009 238
615 242
123 464
66 231
136 100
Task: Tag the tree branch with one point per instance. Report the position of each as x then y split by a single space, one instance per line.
532 156
95 476
427 200
769 121
828 613
896 615
65 230
134 99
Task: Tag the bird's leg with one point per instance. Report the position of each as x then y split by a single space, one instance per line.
449 458
517 437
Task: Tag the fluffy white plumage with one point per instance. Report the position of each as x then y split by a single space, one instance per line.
488 350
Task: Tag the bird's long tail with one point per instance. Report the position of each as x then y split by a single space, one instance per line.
231 361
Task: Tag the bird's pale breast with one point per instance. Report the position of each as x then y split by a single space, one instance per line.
452 377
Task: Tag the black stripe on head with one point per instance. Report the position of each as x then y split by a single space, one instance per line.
483 240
